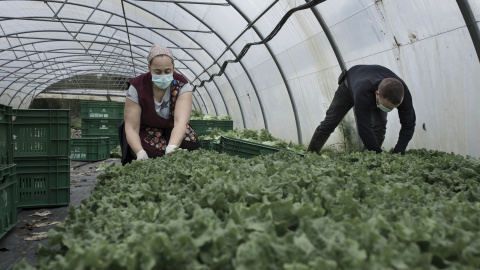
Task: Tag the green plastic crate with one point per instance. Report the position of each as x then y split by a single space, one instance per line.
43 181
102 110
41 133
8 198
6 135
100 128
207 144
205 127
217 147
246 149
90 149
114 141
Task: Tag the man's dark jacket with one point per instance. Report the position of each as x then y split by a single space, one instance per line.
363 81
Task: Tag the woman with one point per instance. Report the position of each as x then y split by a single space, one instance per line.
157 111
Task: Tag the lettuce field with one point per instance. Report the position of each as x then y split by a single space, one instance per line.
205 210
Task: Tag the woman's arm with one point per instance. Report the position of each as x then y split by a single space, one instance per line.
132 115
183 108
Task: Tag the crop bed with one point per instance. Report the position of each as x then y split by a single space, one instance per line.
205 210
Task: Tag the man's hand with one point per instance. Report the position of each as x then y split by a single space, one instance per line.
142 155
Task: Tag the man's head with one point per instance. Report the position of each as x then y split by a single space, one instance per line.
389 94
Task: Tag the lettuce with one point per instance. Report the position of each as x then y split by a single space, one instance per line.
358 210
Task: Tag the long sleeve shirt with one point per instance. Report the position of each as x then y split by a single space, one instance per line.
363 81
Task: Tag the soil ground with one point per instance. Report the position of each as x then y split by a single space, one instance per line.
17 243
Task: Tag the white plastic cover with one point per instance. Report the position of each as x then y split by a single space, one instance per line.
285 85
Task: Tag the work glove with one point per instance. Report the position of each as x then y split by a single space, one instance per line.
142 155
170 148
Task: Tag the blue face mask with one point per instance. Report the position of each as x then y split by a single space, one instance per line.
383 108
162 81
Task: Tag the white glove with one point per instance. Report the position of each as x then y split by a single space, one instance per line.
170 148
142 155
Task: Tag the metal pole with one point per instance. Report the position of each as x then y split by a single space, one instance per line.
471 23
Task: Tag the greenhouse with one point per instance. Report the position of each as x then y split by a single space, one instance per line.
320 134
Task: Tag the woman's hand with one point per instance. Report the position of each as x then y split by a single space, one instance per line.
142 155
170 148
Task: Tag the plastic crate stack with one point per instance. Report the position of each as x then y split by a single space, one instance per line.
247 149
41 151
205 127
90 148
8 181
101 119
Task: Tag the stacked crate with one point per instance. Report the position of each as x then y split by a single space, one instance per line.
41 150
90 148
101 119
205 127
8 183
247 149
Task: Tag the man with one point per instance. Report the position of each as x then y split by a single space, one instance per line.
374 91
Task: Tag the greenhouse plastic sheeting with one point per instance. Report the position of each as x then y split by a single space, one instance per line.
284 85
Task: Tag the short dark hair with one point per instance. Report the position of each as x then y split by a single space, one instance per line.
392 90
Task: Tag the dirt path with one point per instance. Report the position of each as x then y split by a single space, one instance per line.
22 241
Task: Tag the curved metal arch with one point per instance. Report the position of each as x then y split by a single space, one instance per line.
208 53
292 101
138 47
78 59
46 59
202 101
52 79
65 31
471 23
154 15
141 8
39 77
44 41
130 20
30 93
195 99
329 35
53 51
21 77
63 75
228 79
58 50
49 51
108 12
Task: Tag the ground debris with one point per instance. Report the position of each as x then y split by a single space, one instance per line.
37 236
43 224
42 214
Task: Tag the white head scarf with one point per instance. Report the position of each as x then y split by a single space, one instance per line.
158 50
